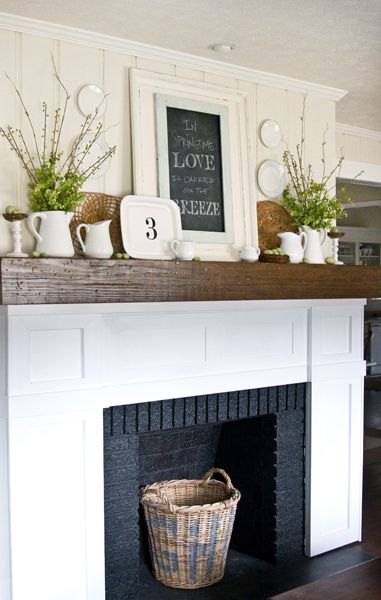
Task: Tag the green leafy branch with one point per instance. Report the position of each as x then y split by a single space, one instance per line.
309 201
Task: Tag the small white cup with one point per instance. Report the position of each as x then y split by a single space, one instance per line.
249 254
183 250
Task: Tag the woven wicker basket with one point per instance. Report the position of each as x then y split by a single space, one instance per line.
189 526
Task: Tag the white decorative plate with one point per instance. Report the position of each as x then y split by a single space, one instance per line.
271 178
97 150
149 225
271 133
89 98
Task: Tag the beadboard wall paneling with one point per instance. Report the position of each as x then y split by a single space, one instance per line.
118 179
358 148
26 58
79 66
10 169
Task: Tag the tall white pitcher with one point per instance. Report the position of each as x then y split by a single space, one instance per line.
53 236
313 252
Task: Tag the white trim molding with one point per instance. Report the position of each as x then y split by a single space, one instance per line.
369 134
121 45
370 173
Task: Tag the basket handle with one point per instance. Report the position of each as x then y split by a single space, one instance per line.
209 474
157 494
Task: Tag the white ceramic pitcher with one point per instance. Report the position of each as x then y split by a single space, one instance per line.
98 243
53 236
293 245
313 252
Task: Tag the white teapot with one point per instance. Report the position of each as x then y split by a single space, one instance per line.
293 244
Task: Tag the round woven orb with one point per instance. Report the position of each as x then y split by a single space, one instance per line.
272 219
94 208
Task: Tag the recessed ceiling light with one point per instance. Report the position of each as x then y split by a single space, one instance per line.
224 47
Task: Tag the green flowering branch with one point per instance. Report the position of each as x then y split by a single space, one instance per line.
307 200
55 182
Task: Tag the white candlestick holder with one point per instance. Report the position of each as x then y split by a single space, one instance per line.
15 220
335 235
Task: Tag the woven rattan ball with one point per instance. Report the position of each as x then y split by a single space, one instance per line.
272 218
94 208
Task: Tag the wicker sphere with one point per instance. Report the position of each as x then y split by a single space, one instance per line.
272 219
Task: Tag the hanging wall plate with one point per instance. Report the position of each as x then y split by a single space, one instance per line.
271 178
271 133
90 98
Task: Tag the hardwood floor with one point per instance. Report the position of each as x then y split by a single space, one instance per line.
359 583
364 581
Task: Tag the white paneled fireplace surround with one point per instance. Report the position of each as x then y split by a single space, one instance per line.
64 364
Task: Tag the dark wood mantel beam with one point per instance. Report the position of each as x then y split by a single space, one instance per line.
73 281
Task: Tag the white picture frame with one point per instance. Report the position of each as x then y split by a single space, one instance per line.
149 175
162 103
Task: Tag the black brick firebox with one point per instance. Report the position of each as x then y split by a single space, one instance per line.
257 436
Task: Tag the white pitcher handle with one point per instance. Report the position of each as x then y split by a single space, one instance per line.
30 223
303 239
78 233
174 245
324 236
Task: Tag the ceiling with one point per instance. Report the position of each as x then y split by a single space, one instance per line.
330 42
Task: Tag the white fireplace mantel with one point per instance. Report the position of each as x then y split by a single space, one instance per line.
62 364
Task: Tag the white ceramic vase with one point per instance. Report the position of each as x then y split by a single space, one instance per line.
313 252
53 236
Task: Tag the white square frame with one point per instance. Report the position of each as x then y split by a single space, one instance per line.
145 87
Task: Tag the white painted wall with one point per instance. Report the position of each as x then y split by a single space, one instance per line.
26 59
357 144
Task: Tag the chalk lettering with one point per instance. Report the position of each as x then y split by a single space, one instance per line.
201 191
198 207
190 125
190 179
190 143
192 160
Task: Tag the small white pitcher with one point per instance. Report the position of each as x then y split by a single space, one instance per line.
293 245
313 252
249 254
183 250
54 236
98 243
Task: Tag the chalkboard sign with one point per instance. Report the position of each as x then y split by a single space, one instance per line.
194 165
195 169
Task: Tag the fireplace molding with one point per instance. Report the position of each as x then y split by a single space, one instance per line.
62 364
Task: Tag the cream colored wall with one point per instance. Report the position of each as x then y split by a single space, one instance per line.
358 148
26 59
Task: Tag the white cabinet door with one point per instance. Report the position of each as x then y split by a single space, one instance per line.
57 507
334 464
334 427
